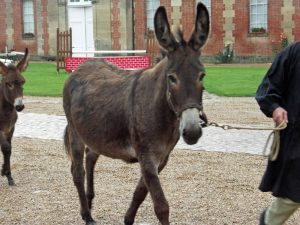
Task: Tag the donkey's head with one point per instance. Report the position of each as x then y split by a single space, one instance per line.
13 81
184 72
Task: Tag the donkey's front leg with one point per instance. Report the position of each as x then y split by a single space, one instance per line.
6 150
149 168
139 196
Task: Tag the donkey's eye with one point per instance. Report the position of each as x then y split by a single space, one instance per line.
201 76
19 83
172 78
10 85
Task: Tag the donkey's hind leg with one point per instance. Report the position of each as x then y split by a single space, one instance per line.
139 196
77 153
6 150
91 159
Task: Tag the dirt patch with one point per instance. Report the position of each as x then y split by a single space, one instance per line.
234 110
47 105
203 188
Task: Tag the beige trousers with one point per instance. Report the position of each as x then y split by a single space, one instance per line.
280 210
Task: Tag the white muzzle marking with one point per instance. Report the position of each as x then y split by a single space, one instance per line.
190 125
18 101
189 117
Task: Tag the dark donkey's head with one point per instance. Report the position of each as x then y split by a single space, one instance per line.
184 71
12 82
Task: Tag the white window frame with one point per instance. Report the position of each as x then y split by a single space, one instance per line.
258 15
79 3
28 18
151 5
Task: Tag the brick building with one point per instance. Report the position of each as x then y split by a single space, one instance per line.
251 27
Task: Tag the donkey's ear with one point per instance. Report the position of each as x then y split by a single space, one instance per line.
201 30
22 65
163 31
3 68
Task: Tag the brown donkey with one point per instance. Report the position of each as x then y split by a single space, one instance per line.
11 101
136 116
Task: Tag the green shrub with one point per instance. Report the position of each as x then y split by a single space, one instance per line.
226 56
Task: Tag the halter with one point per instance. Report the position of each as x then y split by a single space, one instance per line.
169 100
188 106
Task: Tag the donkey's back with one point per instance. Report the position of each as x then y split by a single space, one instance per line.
96 100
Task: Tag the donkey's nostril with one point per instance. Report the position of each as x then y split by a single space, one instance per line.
19 108
191 136
184 133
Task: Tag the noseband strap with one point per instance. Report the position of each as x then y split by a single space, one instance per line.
187 106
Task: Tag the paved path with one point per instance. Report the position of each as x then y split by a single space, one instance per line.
45 126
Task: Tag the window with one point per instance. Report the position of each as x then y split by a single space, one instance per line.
258 16
28 19
207 3
79 3
152 5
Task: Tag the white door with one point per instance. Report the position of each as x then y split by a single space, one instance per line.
81 22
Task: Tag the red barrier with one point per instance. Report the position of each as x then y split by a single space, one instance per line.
123 62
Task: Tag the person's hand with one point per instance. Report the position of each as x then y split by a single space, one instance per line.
279 115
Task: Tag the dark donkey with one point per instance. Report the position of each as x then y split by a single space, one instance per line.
136 116
11 101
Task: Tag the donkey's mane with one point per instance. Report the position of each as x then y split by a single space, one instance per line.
11 66
114 68
111 66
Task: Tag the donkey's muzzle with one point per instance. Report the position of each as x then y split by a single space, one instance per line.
19 104
190 126
192 135
19 108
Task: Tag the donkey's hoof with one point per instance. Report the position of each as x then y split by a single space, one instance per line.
88 219
128 223
91 223
11 182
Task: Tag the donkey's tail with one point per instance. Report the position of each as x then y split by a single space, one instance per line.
67 141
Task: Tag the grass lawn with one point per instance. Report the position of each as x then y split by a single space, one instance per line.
42 80
234 80
227 80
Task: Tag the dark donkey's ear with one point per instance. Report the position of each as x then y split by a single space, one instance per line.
22 65
163 31
201 31
3 68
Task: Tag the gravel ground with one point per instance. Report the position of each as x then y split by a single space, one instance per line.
203 188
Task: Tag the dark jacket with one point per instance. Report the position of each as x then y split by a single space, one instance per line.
281 87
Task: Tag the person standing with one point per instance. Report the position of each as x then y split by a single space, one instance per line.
278 96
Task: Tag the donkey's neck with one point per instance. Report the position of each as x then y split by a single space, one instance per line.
158 76
4 104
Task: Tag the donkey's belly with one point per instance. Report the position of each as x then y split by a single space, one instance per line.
116 151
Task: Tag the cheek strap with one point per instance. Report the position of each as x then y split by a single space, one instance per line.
171 105
187 106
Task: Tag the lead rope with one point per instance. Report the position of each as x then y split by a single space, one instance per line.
276 142
275 133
